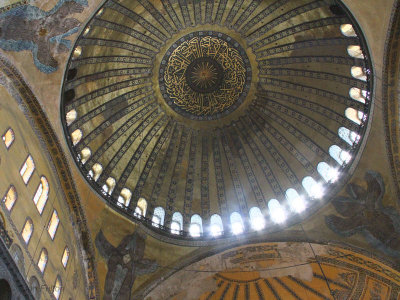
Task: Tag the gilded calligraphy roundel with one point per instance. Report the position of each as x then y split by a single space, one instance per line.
205 75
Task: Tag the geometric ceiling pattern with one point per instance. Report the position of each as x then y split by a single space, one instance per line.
213 107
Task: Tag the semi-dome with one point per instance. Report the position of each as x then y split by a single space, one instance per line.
217 117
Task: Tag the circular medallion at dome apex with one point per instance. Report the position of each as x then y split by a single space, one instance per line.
205 75
268 159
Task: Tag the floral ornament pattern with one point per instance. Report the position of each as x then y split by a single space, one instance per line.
363 212
28 27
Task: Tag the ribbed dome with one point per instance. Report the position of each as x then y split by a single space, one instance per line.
215 107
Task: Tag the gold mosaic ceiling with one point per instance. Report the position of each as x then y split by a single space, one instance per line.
213 107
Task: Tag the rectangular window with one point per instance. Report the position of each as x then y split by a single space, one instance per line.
53 225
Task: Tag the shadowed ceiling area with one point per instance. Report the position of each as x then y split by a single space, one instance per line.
182 111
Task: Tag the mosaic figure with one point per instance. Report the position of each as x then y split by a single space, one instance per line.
28 27
363 212
124 263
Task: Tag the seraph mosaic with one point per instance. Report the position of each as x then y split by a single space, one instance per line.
42 32
363 212
124 262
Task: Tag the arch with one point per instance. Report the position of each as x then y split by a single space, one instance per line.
85 154
256 218
71 74
196 226
57 287
77 52
276 211
35 287
53 224
76 136
96 171
42 194
158 216
350 137
341 156
216 226
125 197
328 173
354 115
358 94
236 223
141 207
42 262
65 257
8 137
296 202
5 290
358 73
27 169
71 116
355 51
18 257
27 230
348 30
314 189
108 187
177 223
10 198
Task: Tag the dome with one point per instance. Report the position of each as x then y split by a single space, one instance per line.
250 111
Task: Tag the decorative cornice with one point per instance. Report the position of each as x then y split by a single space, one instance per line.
391 95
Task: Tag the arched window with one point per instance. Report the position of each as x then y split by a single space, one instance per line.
342 157
42 260
350 137
57 288
76 136
158 216
354 115
86 31
348 30
77 52
216 226
125 197
27 169
196 226
355 51
236 223
276 211
256 218
296 202
42 194
71 116
5 290
314 190
96 171
10 198
108 187
141 207
27 230
8 138
358 94
177 223
328 173
85 154
18 257
358 73
65 257
35 287
53 224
